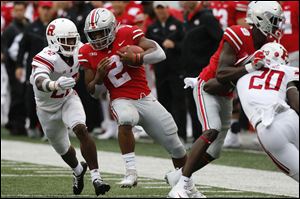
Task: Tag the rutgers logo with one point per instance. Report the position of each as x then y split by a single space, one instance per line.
50 30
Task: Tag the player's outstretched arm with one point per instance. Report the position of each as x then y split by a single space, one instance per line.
46 85
293 96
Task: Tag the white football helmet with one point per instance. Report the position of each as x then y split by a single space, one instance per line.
267 16
275 53
62 36
100 28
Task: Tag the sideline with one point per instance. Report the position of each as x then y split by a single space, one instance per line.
229 177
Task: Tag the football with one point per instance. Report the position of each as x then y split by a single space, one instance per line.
133 48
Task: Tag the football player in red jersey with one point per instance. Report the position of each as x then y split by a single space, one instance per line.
212 89
123 75
228 13
290 38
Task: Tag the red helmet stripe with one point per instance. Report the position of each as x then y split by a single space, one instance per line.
93 15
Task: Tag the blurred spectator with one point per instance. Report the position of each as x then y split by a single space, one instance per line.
128 13
290 39
6 13
10 39
202 36
229 12
168 33
33 41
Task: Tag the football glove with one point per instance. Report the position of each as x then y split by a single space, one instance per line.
64 83
190 82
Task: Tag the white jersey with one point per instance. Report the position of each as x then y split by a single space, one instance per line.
49 64
263 93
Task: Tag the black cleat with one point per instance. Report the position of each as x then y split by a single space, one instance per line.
100 187
78 182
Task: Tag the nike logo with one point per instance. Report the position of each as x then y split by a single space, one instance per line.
120 44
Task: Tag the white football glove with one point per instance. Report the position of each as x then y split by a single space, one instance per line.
190 82
64 83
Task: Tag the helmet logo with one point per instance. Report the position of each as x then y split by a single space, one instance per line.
276 54
50 30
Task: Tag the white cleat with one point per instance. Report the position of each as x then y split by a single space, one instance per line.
129 180
194 193
231 140
178 192
173 177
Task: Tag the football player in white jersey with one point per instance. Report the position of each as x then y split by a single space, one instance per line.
270 99
54 71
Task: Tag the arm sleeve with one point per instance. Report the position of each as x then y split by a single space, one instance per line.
233 38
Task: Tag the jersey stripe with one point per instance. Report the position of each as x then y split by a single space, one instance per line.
236 45
135 36
44 62
235 35
137 30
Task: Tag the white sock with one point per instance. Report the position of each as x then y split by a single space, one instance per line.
183 181
78 169
95 174
129 159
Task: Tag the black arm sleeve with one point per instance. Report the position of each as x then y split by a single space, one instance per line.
24 45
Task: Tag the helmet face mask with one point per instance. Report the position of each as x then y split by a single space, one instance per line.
267 16
100 33
62 36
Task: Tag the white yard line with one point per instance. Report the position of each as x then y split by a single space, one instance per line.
213 175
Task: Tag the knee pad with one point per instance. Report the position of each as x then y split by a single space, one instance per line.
178 152
125 115
175 147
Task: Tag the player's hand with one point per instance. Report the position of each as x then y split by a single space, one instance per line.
129 58
64 83
19 73
190 82
102 69
168 44
258 60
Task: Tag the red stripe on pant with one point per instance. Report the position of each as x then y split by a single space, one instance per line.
202 108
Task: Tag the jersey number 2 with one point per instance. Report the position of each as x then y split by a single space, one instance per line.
123 78
268 75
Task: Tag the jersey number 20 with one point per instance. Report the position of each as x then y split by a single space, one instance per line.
268 76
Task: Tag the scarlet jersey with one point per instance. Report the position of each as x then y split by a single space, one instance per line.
227 12
49 64
290 39
263 93
240 39
121 81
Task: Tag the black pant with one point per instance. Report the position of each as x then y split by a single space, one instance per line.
17 111
170 94
196 125
31 106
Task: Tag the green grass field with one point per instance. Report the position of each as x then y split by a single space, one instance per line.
26 180
21 179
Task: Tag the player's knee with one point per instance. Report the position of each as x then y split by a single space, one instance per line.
130 119
210 135
81 131
61 149
178 152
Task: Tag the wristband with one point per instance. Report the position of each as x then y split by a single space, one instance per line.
53 86
249 68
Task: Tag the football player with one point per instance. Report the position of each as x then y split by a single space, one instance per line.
123 75
54 71
270 100
214 103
